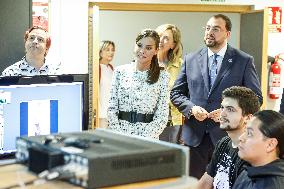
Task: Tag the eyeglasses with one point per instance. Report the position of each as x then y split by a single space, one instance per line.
39 39
214 29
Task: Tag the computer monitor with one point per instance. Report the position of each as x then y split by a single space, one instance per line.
41 105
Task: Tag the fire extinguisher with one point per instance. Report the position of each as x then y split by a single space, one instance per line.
275 89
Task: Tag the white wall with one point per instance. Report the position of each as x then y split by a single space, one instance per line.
69 31
69 28
127 24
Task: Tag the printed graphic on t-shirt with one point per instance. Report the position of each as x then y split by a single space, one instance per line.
222 177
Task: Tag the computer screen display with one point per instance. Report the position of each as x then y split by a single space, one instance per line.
41 105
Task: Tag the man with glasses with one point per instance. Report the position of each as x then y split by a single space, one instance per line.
37 44
198 88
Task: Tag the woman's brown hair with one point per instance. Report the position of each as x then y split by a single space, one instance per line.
154 71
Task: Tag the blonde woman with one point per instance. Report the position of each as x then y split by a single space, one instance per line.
107 50
169 56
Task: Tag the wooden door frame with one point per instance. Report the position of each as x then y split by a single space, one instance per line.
264 65
171 7
109 6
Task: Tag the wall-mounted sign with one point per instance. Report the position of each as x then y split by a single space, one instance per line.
274 19
40 13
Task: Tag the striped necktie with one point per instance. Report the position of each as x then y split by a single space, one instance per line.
213 70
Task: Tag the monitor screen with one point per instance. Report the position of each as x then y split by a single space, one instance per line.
41 105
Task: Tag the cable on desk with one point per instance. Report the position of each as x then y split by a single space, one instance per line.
22 184
60 172
69 170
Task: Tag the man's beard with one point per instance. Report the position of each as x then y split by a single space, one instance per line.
210 44
229 128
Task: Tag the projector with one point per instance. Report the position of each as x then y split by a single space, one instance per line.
102 158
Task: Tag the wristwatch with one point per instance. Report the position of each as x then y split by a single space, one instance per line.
189 113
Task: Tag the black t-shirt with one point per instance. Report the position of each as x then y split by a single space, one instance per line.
225 165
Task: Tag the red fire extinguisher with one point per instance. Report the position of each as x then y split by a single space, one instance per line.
275 89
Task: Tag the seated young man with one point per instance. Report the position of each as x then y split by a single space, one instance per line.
237 107
262 145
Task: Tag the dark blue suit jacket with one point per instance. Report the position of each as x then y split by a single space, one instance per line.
282 103
192 88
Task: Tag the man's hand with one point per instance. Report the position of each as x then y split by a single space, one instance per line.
199 113
205 182
215 115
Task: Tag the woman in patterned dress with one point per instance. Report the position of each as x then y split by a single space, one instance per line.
140 94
